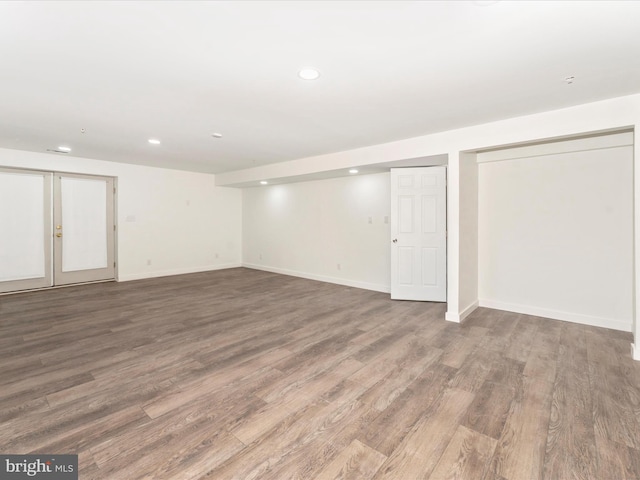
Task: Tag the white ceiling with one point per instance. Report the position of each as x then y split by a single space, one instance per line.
179 71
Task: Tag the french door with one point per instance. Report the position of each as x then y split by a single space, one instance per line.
58 229
419 234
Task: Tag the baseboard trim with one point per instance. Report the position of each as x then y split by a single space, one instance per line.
460 317
558 315
321 278
54 287
635 352
175 271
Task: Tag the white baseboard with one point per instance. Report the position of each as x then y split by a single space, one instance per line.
558 315
635 352
322 278
175 271
459 317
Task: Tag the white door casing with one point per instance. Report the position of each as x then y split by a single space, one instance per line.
419 234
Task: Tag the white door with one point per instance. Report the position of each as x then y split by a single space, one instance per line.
25 217
84 228
419 234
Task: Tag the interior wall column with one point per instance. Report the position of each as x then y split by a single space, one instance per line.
635 346
453 237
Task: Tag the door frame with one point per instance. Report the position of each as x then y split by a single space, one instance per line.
49 281
82 276
432 293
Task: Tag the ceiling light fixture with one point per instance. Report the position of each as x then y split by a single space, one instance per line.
64 149
216 135
353 170
263 182
309 74
154 141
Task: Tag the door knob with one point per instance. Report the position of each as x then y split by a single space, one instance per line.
395 240
58 234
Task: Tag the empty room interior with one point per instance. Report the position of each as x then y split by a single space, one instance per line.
320 240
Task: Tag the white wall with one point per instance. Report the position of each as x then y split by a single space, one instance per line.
179 220
556 231
306 229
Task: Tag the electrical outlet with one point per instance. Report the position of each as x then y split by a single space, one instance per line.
149 261
217 256
339 267
260 256
370 219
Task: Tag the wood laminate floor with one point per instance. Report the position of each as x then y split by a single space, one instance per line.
252 375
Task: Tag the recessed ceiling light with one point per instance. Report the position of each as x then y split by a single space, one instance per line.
64 149
216 135
263 182
309 74
154 141
353 170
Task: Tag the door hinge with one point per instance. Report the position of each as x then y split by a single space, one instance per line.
114 228
114 264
